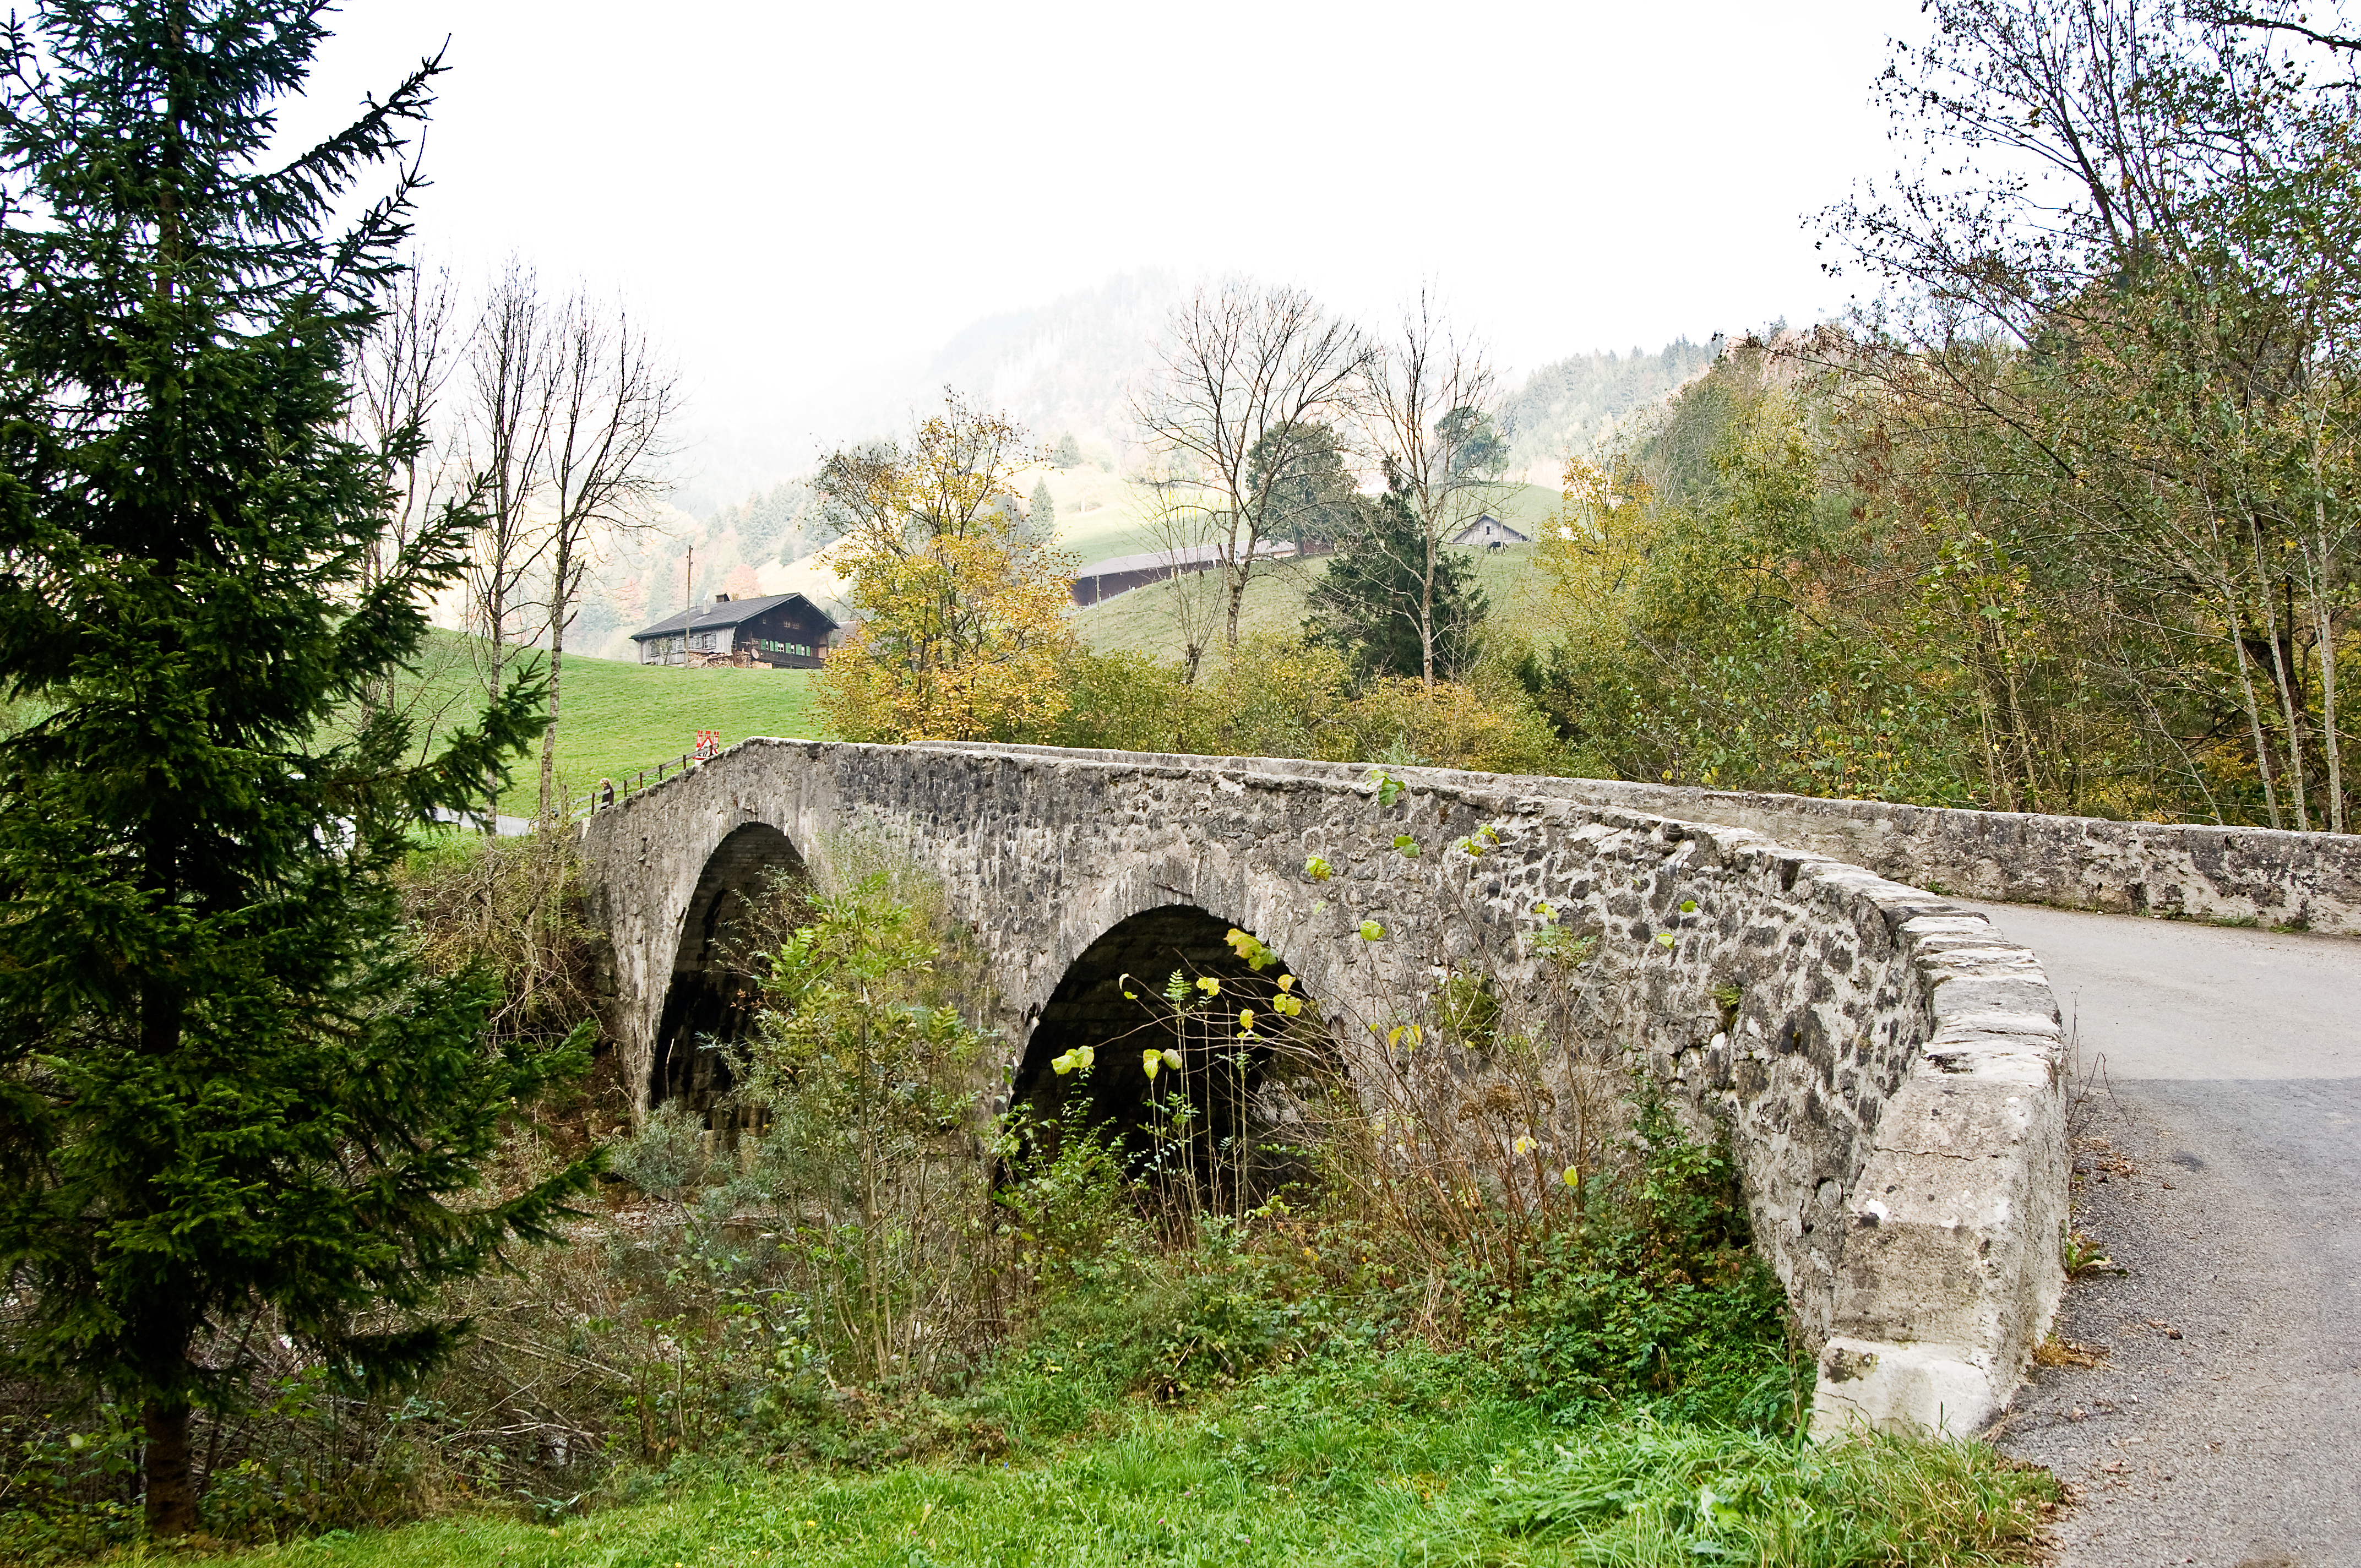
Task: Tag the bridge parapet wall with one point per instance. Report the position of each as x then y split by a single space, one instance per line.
1890 1076
2185 870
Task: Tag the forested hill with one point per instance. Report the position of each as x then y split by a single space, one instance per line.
1570 407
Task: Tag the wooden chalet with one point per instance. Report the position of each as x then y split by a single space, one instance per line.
777 631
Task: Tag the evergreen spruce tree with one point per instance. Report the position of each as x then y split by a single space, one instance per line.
1312 500
1366 604
1041 520
229 1102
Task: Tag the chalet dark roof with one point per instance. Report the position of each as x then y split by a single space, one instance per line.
729 612
1197 557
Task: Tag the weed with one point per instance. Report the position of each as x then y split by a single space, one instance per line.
2055 1352
2082 1255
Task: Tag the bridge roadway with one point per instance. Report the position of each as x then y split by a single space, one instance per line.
2220 1170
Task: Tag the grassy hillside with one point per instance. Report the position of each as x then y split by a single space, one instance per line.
617 718
1143 620
1113 525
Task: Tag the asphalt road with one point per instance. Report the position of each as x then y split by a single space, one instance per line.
2218 1167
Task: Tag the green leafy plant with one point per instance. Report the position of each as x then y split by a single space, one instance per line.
863 1065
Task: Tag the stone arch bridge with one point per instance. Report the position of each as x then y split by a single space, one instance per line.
1890 1070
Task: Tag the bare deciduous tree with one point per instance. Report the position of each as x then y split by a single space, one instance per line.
507 433
1431 404
1250 375
398 380
608 403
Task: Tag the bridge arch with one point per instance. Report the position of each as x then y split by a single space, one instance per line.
1113 998
708 998
1887 1067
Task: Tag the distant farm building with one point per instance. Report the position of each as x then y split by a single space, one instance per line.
778 631
1489 532
1103 581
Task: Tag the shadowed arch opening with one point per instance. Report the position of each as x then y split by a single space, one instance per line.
708 1001
1224 1112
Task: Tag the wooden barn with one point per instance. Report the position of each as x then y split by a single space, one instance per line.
778 631
1489 532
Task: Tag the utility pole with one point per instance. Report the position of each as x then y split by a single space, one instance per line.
687 603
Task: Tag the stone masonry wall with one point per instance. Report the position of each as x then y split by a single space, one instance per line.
2257 875
2311 880
1890 1079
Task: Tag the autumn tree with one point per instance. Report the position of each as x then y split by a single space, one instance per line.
2121 334
960 615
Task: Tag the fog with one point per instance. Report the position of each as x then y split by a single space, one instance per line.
807 202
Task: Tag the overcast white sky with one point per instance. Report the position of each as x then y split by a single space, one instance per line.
790 193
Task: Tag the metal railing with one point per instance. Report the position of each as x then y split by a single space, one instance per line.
582 805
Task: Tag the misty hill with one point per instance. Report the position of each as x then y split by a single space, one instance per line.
1574 406
1067 365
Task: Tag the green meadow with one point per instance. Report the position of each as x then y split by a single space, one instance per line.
615 718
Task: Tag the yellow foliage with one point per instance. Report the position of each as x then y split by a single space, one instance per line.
1277 696
1595 552
963 632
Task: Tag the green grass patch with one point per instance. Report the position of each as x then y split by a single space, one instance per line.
617 718
1356 1458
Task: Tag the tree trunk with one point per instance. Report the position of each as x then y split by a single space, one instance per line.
549 735
562 592
2282 677
1426 615
2253 705
165 1464
495 611
2320 582
2325 646
1235 584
